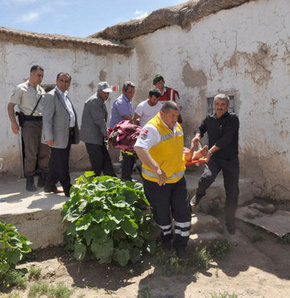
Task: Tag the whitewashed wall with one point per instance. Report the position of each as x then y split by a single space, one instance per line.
244 52
86 69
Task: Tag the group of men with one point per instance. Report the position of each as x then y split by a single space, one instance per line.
48 128
51 122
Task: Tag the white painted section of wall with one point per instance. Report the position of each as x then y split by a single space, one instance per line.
86 70
244 52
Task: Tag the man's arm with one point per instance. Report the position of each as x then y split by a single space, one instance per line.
136 119
98 116
146 159
14 125
199 133
48 114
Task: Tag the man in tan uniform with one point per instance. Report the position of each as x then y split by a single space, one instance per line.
28 97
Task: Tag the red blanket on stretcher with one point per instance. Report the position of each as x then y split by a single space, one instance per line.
124 135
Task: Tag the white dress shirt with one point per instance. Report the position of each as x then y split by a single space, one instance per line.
69 107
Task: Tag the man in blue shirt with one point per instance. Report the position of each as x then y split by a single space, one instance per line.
122 109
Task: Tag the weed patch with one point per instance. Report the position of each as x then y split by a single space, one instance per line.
43 288
224 295
218 248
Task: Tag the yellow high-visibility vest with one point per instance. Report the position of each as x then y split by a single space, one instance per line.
168 153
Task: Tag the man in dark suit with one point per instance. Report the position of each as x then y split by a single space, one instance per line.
94 130
60 130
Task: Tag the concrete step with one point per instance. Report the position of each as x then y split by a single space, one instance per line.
37 215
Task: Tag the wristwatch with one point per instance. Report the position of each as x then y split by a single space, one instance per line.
210 153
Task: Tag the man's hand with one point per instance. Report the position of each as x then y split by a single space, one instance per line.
195 141
50 143
15 127
162 178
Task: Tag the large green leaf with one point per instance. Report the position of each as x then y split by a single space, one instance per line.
117 216
129 227
89 235
83 205
14 241
71 230
108 226
135 254
102 250
130 196
122 256
138 241
120 202
99 216
84 223
4 267
72 215
138 214
79 250
13 256
99 233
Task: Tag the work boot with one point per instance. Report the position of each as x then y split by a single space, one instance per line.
41 179
30 186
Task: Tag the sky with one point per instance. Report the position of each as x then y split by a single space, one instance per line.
79 18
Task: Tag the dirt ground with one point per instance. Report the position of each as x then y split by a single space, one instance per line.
259 266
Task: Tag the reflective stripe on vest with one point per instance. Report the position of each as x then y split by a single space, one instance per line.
170 136
175 175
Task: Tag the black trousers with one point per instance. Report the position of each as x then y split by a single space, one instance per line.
127 166
100 159
231 170
170 199
59 168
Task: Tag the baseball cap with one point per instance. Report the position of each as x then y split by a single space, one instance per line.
104 86
157 78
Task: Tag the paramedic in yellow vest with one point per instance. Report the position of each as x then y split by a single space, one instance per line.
160 148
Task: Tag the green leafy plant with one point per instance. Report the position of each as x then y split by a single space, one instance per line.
15 279
13 248
197 259
218 248
107 221
34 272
43 288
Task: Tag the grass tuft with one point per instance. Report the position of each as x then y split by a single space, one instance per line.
15 278
34 272
224 295
40 288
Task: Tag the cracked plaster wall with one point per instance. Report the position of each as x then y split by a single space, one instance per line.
86 68
244 52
